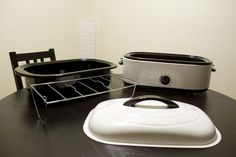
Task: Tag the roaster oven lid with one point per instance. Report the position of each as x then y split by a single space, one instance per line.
151 121
168 57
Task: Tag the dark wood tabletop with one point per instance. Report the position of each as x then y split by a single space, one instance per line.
22 134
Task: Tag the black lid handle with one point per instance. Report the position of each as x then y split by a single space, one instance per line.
132 102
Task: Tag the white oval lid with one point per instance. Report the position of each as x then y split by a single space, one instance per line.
151 123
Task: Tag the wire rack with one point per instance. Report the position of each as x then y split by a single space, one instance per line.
61 91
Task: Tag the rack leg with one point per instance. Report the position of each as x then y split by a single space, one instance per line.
42 121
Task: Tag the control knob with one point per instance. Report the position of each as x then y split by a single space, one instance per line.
165 80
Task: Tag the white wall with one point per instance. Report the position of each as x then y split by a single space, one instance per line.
198 27
35 25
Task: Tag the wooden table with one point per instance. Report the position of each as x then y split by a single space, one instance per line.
22 135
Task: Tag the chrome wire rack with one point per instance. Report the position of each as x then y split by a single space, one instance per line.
61 91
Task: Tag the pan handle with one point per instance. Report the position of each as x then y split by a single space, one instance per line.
132 102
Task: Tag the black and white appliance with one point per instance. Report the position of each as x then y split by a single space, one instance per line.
165 70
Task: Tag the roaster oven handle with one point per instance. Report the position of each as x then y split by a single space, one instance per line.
213 68
132 102
121 61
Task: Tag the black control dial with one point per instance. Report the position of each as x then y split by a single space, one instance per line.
165 80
